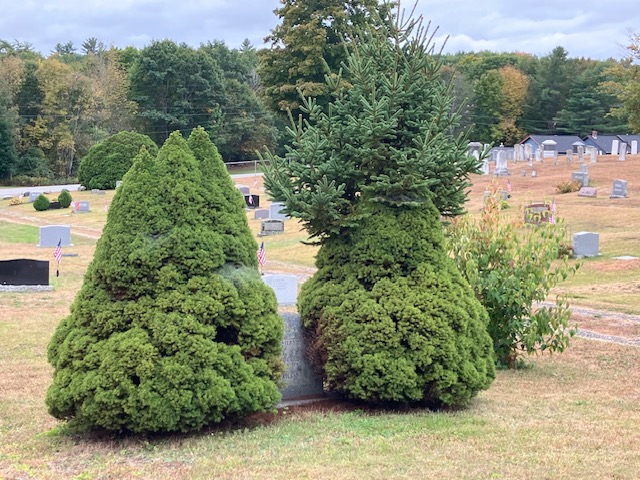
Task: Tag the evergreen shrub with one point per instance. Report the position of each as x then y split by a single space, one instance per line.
41 203
64 199
106 162
173 328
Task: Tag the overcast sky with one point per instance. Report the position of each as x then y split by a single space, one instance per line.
585 28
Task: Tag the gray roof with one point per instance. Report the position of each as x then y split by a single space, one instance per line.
601 142
629 138
563 142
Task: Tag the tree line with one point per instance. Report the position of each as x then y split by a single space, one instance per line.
54 108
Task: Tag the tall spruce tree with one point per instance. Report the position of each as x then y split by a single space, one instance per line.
173 328
387 315
306 46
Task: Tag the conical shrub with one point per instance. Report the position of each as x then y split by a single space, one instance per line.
389 318
173 328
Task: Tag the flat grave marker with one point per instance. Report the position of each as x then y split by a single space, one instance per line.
284 286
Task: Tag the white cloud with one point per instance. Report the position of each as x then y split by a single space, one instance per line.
583 27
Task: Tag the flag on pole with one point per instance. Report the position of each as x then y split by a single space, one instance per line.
250 199
262 256
552 218
57 254
255 181
508 186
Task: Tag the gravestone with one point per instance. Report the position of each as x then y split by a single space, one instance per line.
82 207
588 192
271 227
50 235
619 189
580 149
118 183
581 177
261 214
474 149
275 211
585 244
523 173
252 201
33 196
623 151
299 379
243 189
634 147
534 173
584 168
486 169
615 145
284 286
528 151
569 156
24 272
501 164
537 213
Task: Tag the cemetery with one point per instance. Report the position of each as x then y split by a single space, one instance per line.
600 228
388 308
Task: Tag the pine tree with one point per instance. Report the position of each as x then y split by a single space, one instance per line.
387 315
172 328
306 46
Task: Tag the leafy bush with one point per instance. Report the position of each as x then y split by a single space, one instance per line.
64 199
106 162
173 327
569 186
390 319
511 267
41 203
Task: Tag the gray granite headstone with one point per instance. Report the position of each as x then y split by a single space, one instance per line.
82 207
271 227
50 235
244 189
588 192
585 244
299 379
623 151
275 211
583 178
584 168
33 196
619 189
284 286
260 214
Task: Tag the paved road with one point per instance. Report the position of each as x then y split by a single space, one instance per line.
43 189
13 191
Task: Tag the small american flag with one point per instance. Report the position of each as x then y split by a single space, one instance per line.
58 251
553 205
262 256
508 186
250 199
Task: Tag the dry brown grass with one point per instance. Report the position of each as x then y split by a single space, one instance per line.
571 416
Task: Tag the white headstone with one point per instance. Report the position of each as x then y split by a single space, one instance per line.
623 151
634 147
284 286
614 147
486 169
